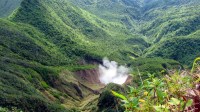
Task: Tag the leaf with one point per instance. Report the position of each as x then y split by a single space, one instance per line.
145 93
160 108
133 90
157 108
194 64
141 100
119 95
174 101
189 103
134 101
161 95
125 101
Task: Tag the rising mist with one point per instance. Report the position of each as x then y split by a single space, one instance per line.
110 72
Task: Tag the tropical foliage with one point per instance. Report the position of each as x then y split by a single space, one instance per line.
172 93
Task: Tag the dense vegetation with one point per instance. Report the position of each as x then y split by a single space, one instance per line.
47 45
172 93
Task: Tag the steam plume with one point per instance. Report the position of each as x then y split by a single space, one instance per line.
110 72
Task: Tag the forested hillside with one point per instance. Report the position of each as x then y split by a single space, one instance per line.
50 50
156 20
173 31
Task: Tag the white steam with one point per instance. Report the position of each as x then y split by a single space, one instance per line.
110 72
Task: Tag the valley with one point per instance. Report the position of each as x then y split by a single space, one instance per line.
51 50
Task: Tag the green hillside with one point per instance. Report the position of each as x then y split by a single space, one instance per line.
50 49
42 44
171 22
174 32
156 20
70 27
126 12
183 49
25 80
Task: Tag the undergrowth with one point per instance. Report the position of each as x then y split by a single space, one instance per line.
172 93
